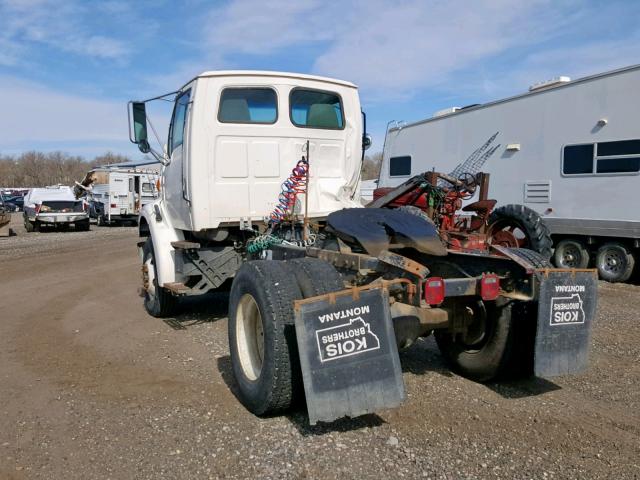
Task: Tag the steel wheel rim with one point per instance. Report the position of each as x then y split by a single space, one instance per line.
249 337
613 262
570 256
149 278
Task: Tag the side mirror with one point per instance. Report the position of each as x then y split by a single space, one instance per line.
366 141
139 114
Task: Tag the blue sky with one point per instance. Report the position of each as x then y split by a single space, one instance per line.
68 67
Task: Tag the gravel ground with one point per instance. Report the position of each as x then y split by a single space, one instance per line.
92 387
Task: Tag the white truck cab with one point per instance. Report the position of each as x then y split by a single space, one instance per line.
234 138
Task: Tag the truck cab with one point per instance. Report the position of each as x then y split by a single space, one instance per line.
234 138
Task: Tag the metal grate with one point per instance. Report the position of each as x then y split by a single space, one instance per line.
537 191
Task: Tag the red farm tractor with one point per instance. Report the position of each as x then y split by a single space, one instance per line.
473 227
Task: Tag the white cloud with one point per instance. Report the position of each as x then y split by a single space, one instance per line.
61 24
34 113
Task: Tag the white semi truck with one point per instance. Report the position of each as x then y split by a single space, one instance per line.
260 189
569 150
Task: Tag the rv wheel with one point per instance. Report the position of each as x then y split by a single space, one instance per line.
158 302
614 262
570 254
262 339
517 226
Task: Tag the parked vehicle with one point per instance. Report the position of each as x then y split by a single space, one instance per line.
117 194
55 206
570 150
14 203
260 185
5 219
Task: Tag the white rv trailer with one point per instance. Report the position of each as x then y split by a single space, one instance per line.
118 194
568 149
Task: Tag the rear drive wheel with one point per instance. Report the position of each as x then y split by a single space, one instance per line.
262 339
158 302
517 226
488 348
614 262
314 276
571 254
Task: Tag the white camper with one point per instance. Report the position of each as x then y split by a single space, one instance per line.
118 194
568 149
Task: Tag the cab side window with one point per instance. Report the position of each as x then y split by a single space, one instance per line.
179 120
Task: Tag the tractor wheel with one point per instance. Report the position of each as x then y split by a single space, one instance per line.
614 262
531 256
158 302
262 339
570 253
517 226
492 347
314 276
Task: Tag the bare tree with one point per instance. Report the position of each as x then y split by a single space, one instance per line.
371 166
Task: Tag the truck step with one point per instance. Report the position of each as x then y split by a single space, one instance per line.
185 245
177 288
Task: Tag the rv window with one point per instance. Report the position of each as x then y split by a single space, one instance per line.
577 159
179 117
316 109
147 187
618 165
400 166
623 147
248 105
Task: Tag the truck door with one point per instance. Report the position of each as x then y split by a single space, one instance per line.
176 174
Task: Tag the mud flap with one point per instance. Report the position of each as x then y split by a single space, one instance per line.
566 310
348 354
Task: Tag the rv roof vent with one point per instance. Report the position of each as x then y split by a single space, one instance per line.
554 82
446 111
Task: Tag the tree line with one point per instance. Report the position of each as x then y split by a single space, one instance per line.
38 169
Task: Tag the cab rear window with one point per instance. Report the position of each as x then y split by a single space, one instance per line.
248 105
316 109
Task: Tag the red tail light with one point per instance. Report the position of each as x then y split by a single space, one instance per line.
434 291
489 286
113 205
38 207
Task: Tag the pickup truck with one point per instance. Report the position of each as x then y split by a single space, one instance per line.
56 206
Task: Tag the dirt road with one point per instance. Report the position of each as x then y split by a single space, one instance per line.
92 387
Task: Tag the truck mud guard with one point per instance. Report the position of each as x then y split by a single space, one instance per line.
348 354
566 311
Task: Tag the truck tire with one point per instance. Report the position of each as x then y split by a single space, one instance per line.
533 257
492 351
614 262
511 218
83 226
571 253
158 302
262 339
314 276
